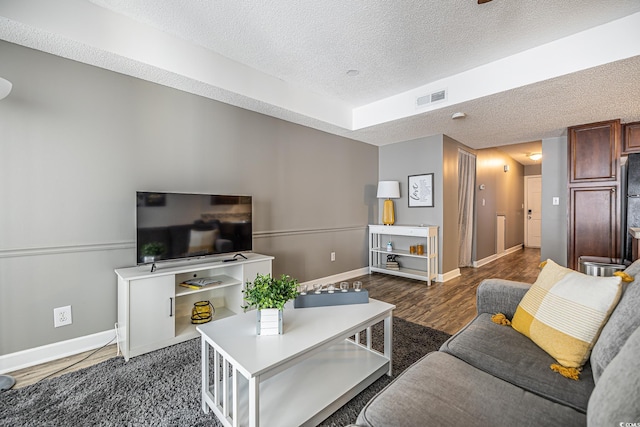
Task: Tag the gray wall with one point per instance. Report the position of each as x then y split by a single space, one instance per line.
420 156
438 155
399 161
554 184
530 170
78 141
503 195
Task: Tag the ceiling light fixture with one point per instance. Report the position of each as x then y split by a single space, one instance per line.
5 88
534 156
353 73
458 115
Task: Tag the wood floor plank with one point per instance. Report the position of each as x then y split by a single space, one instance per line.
445 306
451 305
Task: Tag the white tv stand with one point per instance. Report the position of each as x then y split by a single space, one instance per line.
154 311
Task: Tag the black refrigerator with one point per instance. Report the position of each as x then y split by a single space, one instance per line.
632 200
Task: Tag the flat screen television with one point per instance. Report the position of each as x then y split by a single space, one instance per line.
172 226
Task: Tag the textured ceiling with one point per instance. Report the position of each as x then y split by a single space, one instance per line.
538 111
396 47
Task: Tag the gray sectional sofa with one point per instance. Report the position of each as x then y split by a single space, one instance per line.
491 375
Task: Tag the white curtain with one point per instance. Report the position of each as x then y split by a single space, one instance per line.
466 193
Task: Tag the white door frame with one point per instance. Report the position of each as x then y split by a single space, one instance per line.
526 207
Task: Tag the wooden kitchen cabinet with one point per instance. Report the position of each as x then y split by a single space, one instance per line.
594 191
594 222
594 151
631 137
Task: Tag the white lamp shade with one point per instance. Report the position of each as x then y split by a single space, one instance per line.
5 88
388 190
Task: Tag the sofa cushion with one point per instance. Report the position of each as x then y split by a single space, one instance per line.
503 352
564 311
623 321
440 389
500 296
615 399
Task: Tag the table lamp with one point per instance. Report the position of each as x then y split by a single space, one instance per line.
388 190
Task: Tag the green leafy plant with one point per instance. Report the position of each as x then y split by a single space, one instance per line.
152 249
269 292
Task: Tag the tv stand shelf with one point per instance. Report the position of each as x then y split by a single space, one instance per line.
224 282
185 327
154 311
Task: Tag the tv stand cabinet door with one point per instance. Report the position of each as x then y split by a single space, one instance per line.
152 313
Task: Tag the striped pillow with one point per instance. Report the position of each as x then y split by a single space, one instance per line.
564 311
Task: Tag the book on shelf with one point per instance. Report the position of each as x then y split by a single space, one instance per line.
199 283
392 265
203 282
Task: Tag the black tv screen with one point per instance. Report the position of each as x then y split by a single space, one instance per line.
171 226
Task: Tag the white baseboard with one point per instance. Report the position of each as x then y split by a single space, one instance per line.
46 353
494 257
337 278
362 271
449 275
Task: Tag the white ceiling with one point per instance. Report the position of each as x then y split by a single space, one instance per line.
521 70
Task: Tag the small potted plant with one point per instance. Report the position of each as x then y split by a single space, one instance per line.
152 251
269 295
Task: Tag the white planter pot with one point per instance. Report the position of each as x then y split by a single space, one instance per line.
269 321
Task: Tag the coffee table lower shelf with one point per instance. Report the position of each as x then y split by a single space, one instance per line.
308 392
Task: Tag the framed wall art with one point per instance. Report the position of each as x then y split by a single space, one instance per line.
420 191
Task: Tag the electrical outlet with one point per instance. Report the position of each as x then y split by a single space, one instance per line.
333 256
62 316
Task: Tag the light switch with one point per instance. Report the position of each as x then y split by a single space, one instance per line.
482 202
556 201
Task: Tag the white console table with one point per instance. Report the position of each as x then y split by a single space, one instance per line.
154 311
412 266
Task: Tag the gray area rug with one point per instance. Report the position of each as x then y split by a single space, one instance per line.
163 387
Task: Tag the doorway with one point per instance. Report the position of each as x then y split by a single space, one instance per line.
533 211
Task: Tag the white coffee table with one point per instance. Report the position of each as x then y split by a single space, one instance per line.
299 377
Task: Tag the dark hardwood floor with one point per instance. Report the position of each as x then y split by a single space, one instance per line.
450 305
445 306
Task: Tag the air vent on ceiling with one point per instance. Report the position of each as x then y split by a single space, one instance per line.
438 96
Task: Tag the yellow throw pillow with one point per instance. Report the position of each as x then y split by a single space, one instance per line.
564 312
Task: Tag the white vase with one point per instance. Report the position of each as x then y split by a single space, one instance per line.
269 321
